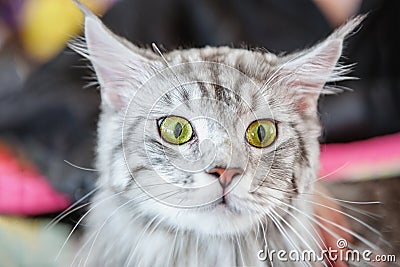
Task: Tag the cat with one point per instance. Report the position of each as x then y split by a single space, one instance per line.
206 156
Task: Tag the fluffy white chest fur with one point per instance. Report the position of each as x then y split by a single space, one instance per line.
120 238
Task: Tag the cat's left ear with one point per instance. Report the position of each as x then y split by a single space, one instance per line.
307 72
120 67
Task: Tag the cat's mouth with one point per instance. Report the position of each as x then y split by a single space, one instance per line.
225 203
222 201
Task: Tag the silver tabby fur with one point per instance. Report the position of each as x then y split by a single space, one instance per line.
156 205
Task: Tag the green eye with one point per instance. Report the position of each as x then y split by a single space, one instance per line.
175 130
261 133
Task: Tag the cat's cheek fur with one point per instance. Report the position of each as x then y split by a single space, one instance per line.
108 164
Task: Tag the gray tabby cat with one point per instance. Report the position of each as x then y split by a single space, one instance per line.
207 157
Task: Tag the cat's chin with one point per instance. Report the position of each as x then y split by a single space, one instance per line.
223 220
216 219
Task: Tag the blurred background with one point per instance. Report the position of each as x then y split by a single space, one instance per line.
48 115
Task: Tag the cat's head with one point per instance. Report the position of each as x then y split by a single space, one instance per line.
211 139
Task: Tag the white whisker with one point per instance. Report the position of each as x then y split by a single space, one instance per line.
362 239
82 218
141 235
70 210
369 227
79 167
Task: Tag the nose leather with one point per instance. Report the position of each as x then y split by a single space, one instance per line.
225 176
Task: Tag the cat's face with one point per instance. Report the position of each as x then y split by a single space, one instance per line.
211 146
208 140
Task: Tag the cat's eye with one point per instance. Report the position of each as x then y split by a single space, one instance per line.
261 133
175 130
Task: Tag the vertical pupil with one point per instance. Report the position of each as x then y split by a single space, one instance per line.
178 130
261 133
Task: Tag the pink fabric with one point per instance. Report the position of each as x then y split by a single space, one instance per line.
373 158
24 191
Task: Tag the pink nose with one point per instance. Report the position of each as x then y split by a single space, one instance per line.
225 176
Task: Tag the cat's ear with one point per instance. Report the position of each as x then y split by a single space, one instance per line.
119 66
307 72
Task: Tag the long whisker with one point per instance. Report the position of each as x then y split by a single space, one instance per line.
305 228
284 232
239 248
116 210
266 244
81 248
69 210
358 210
77 224
330 173
65 214
290 192
347 201
294 231
281 219
308 231
102 226
79 167
362 239
132 253
369 227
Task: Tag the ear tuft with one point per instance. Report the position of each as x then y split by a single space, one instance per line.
307 72
85 11
120 67
349 27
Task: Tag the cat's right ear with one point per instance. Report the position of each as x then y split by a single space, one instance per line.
307 72
119 66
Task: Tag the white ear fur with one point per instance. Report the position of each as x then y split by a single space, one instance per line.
311 70
118 66
308 71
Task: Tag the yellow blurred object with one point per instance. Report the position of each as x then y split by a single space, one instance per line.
48 24
28 242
